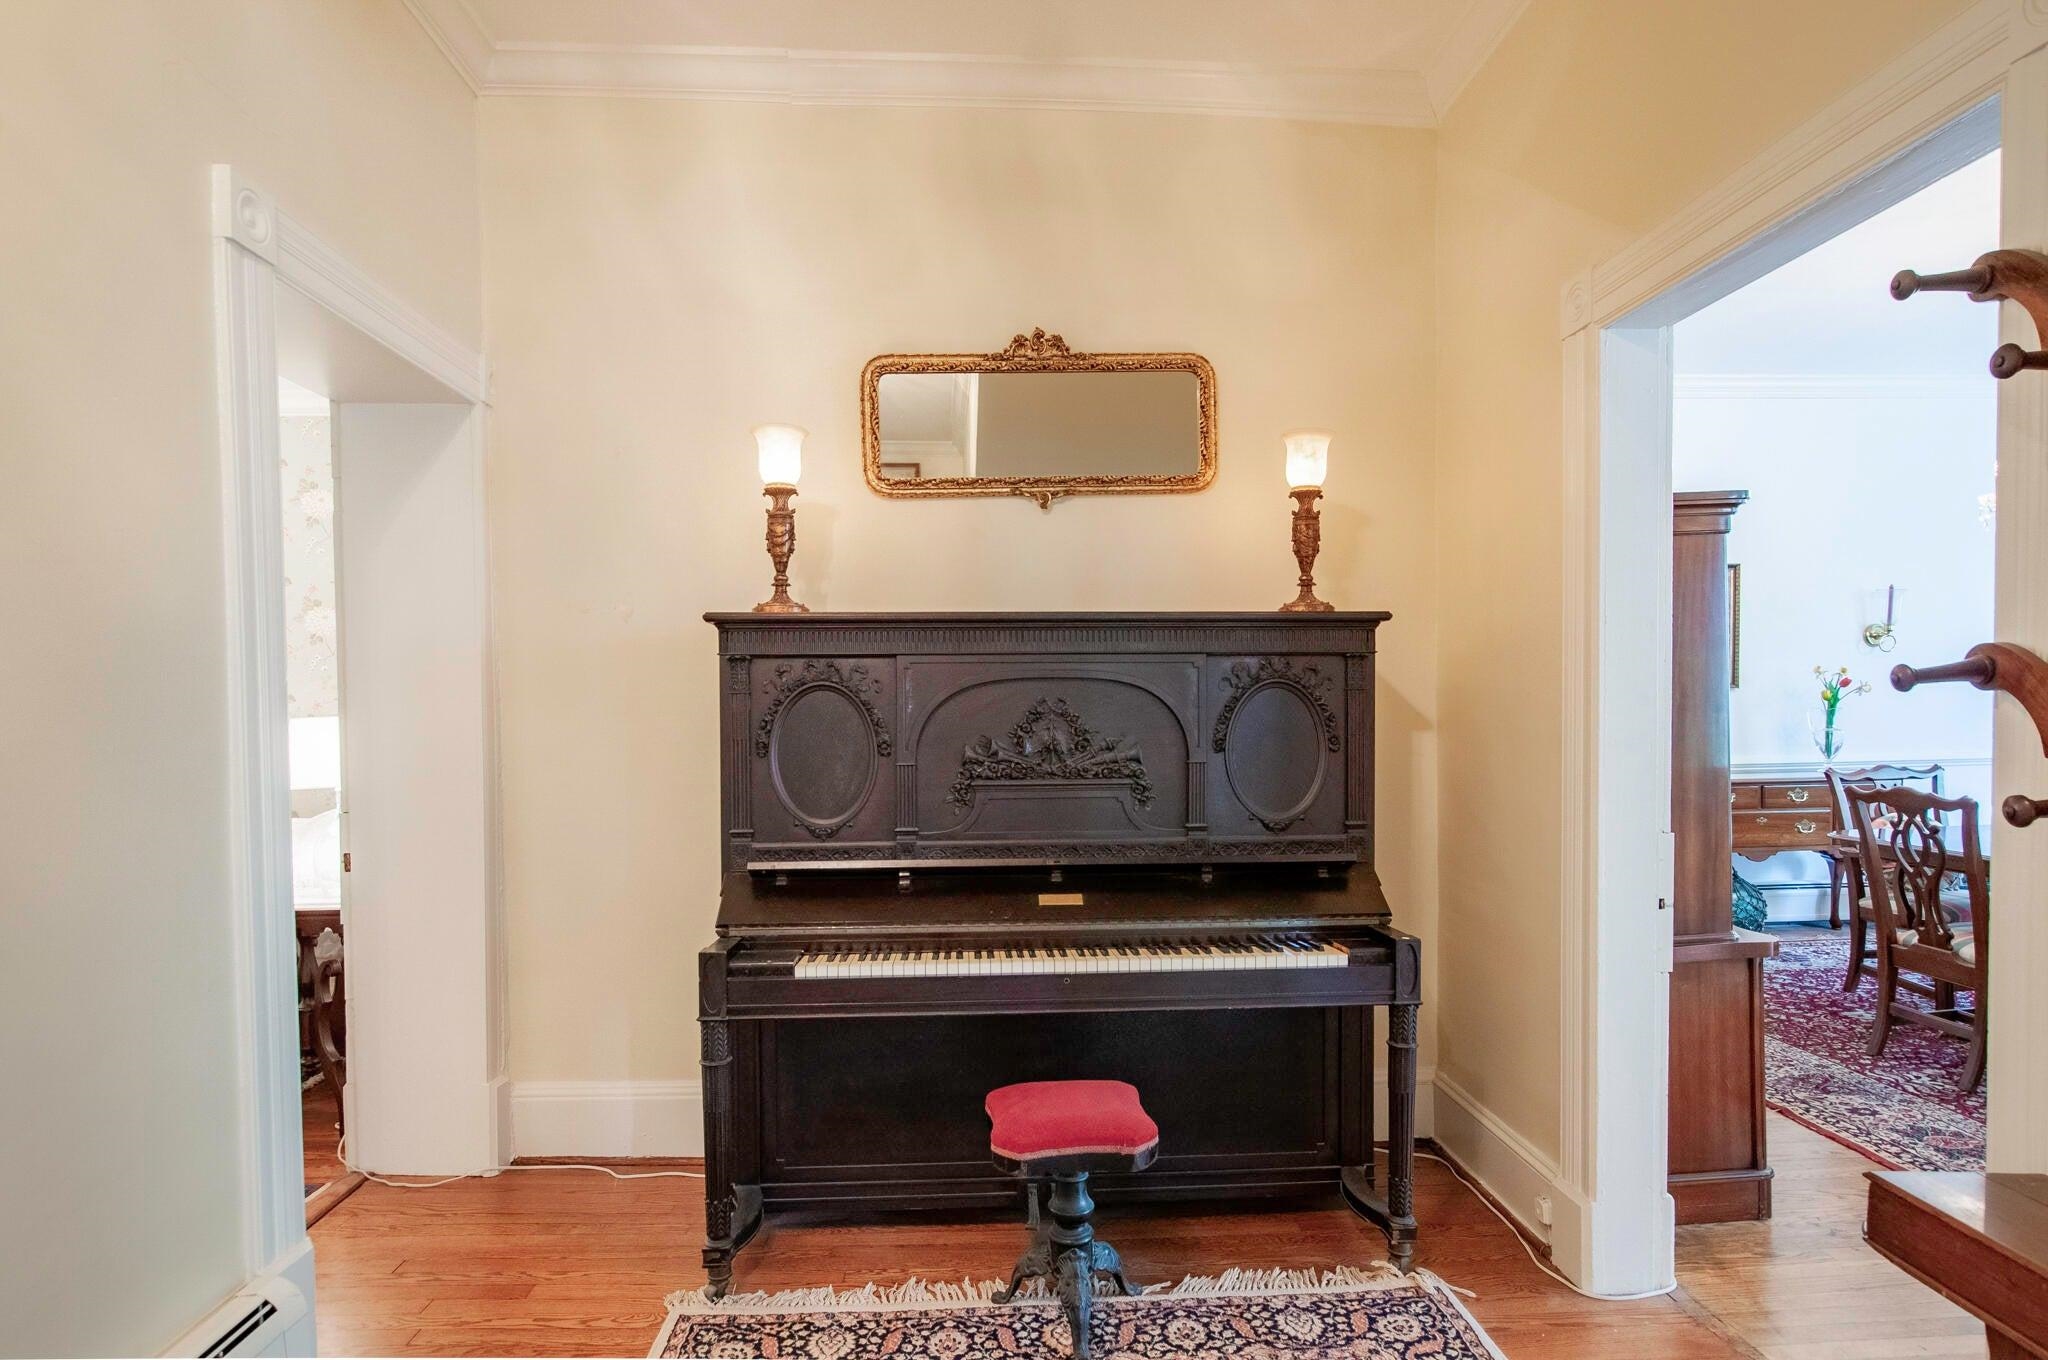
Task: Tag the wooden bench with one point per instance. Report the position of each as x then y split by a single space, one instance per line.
1981 1241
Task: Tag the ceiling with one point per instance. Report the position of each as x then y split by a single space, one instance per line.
1397 62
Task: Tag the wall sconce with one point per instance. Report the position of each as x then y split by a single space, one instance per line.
1883 636
781 450
1308 459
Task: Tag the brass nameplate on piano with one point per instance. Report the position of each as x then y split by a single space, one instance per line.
1059 899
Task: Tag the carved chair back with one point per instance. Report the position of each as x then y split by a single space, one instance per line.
1927 777
1912 843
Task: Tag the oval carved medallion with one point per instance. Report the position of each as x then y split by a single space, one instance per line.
822 758
1274 754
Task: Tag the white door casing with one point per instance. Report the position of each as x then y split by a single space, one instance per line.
264 261
1929 112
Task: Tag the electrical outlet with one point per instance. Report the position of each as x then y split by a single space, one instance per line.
1543 1210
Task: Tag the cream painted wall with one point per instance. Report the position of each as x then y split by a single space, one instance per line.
119 1170
663 275
1590 124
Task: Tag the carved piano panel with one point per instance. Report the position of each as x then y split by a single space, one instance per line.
821 745
1278 736
1071 748
1069 739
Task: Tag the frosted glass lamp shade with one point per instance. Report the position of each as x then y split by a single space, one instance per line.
1308 456
782 453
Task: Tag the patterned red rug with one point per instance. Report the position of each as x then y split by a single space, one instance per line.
1269 1315
1901 1109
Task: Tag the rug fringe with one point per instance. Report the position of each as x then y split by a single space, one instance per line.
914 1293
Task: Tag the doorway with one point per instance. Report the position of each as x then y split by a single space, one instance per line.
1862 434
313 708
1882 143
403 948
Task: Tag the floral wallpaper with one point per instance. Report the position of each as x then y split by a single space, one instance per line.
306 473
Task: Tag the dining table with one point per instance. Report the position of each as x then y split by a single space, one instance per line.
1851 844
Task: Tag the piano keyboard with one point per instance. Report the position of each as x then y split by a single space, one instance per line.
1155 956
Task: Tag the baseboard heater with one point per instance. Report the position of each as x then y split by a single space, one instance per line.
254 1321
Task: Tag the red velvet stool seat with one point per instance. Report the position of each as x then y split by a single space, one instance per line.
1063 1131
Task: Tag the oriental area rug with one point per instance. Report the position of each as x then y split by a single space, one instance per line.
1262 1315
1901 1109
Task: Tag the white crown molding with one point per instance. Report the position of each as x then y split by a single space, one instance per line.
1465 49
784 75
1830 386
460 35
913 79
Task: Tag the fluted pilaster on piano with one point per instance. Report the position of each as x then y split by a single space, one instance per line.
1358 756
733 767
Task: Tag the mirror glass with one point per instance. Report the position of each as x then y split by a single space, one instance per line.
1006 426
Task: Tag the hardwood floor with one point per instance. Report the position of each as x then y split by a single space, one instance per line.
1803 1285
320 1134
574 1263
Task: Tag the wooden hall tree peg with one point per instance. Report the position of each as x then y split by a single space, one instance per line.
2018 275
1998 666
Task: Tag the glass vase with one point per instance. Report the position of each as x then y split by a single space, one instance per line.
1826 728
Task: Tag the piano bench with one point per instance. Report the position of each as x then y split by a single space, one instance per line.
1062 1131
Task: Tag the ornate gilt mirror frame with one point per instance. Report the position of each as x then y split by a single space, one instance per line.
1037 352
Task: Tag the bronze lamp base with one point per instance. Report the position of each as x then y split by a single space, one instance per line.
1308 541
781 547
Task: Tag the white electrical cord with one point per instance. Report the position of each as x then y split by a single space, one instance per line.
1536 1260
341 1155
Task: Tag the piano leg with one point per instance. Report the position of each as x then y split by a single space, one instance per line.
732 1211
1394 1214
1401 1133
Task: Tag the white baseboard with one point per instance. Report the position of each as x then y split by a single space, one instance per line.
607 1118
1511 1169
666 1118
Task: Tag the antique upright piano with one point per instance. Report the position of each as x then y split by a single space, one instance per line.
963 850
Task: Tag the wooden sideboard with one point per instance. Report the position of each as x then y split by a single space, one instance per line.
1772 815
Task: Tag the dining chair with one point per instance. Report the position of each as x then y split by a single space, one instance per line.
1911 843
1844 867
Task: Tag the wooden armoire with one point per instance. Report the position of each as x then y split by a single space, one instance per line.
1718 1169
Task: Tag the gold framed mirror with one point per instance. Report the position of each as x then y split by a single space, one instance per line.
1037 419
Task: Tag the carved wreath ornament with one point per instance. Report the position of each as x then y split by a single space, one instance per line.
852 681
1050 742
1309 682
